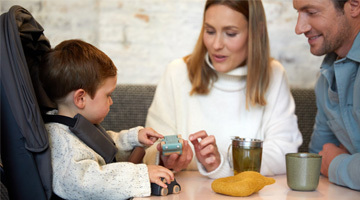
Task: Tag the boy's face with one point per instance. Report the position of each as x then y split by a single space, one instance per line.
97 108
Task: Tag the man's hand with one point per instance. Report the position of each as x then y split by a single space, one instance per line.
177 162
329 152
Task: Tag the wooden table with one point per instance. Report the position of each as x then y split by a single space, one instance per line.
197 187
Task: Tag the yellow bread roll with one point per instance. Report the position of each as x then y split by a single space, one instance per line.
242 184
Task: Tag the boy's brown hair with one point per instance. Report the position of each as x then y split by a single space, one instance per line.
72 65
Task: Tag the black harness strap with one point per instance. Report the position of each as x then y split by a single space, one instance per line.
92 135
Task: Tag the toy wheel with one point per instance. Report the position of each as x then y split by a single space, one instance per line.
181 141
176 189
162 143
164 191
179 136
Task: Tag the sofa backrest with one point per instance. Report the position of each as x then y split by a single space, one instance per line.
305 110
131 104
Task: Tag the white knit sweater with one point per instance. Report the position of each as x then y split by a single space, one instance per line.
223 113
80 173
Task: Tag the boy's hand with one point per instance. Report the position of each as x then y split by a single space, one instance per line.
148 136
156 172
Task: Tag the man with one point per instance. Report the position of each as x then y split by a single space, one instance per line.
332 28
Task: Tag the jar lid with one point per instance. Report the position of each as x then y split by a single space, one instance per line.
246 142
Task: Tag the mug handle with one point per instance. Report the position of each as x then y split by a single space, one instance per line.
230 157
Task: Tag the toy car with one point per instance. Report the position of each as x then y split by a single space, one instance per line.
172 144
173 188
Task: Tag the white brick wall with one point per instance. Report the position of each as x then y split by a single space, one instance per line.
143 36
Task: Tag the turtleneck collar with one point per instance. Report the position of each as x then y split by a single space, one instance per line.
232 81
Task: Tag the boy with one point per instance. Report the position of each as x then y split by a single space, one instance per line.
80 78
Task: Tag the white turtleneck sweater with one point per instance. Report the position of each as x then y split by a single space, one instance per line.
223 113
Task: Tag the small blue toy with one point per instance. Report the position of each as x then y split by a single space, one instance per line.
173 188
172 144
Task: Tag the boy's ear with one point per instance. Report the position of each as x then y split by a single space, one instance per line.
79 98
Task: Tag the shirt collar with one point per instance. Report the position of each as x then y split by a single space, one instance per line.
354 53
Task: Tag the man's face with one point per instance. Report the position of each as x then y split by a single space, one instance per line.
326 28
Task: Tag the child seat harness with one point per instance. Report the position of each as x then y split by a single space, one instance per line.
92 135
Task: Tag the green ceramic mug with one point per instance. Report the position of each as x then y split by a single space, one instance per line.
246 154
303 171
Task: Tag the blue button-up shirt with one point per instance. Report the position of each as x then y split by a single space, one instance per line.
338 117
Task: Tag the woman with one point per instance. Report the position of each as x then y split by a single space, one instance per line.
228 86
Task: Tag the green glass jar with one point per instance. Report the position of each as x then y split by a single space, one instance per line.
246 154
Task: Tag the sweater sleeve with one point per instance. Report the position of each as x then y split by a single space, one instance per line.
125 142
80 173
162 112
282 135
224 169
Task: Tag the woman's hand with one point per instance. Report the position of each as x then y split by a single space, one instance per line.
206 150
157 172
148 136
175 161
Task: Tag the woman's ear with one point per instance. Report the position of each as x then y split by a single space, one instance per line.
80 98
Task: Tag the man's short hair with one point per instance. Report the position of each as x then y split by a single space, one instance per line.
339 4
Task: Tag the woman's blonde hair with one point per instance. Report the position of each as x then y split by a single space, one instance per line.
258 60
